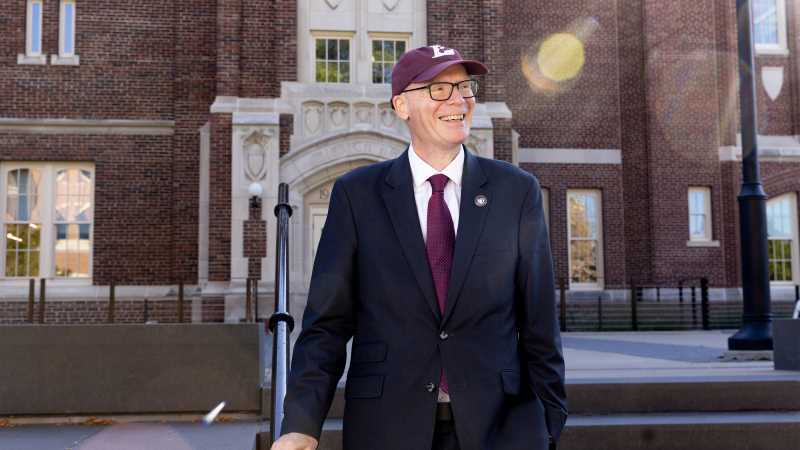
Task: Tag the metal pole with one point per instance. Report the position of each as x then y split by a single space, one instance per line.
704 303
280 323
31 299
563 304
756 331
634 318
599 313
111 300
180 301
41 299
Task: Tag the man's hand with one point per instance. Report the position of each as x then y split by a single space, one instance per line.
295 441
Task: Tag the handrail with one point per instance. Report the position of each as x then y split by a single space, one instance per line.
281 323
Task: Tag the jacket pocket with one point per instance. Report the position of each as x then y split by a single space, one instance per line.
368 352
511 382
364 387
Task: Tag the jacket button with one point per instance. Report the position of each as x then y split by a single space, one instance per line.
443 335
430 387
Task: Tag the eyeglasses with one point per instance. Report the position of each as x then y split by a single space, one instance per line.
442 90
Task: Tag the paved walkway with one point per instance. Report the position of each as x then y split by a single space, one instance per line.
591 357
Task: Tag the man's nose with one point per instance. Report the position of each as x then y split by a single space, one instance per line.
456 97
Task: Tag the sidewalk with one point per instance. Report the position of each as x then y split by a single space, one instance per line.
675 356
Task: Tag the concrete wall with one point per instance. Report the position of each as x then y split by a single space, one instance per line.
130 369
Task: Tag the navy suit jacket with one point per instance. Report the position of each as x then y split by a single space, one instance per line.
498 339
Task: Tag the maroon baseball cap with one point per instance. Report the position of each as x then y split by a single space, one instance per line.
424 63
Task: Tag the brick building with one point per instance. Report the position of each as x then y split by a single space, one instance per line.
131 131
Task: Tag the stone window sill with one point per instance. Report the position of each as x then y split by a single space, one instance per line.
65 60
35 60
702 243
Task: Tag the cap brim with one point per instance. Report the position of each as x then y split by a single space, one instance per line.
473 68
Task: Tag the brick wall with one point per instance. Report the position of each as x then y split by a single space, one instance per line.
133 198
126 66
579 113
558 178
219 226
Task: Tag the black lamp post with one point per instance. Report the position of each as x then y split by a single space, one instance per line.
756 331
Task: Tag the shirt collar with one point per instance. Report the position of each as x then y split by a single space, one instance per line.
421 170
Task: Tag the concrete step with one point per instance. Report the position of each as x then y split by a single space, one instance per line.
669 395
679 431
703 431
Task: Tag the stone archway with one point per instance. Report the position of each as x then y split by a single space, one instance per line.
309 171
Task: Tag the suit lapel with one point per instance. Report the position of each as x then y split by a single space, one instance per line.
470 226
398 195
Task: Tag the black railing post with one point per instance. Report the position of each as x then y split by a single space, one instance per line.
694 307
704 306
599 313
280 323
31 299
112 299
248 301
562 285
634 318
41 299
680 292
180 301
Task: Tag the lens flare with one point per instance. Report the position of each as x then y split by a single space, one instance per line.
561 57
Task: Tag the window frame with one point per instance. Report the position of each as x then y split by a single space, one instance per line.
600 284
795 256
30 57
315 35
64 58
46 198
381 36
707 212
782 46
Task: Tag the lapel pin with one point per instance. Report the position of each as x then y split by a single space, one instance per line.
481 200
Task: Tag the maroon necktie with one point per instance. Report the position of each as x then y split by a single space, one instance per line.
440 244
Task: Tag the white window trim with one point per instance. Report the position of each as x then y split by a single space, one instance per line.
782 47
29 57
405 37
350 36
706 238
63 58
600 245
795 242
46 204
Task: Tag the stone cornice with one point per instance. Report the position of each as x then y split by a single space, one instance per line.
88 126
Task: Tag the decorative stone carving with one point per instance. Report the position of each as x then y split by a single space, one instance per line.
363 113
333 4
254 153
339 113
480 142
772 78
390 5
388 116
312 117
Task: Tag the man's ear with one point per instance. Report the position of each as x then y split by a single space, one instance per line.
400 106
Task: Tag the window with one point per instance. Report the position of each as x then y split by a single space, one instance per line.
585 231
769 26
67 29
33 35
782 238
23 223
699 214
385 53
332 60
47 220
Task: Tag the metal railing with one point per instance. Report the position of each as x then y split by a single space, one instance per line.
682 306
280 323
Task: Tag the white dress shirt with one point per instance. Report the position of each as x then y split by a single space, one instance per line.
420 172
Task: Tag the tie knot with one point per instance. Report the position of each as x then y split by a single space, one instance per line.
438 182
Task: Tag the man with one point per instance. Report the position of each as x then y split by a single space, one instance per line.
438 265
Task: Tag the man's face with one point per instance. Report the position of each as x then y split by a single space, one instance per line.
438 124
